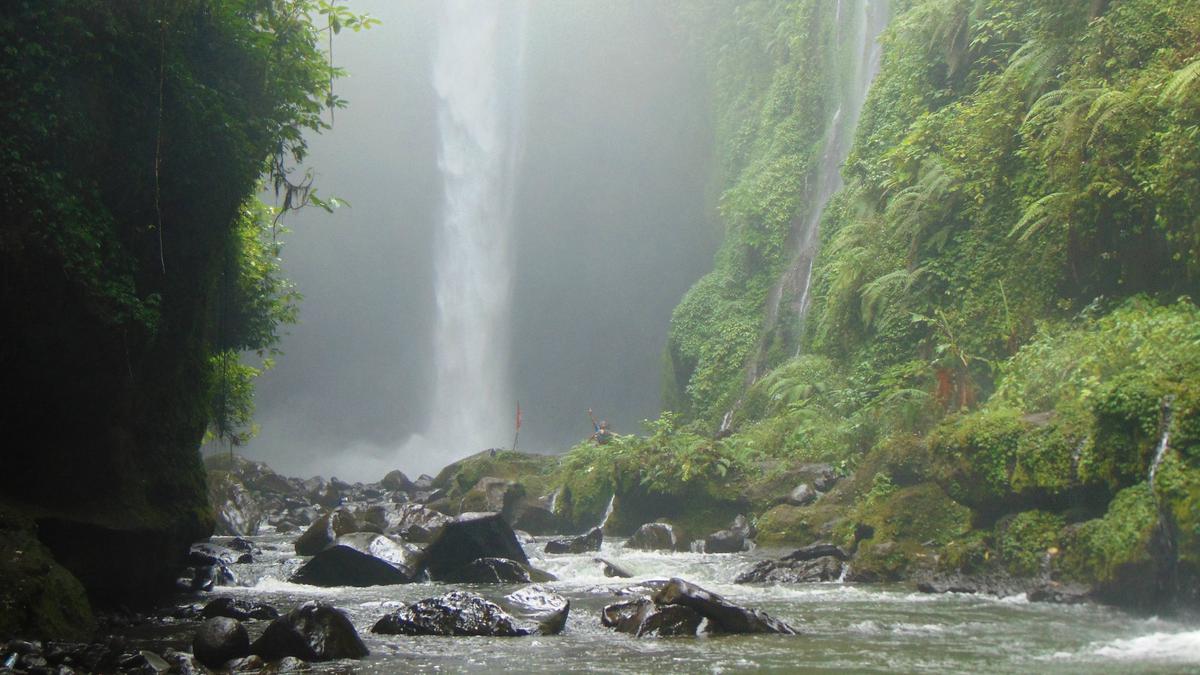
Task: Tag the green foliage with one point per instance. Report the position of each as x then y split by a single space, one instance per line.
776 72
1025 541
1104 549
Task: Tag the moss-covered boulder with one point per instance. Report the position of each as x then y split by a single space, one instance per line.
801 525
38 597
1118 553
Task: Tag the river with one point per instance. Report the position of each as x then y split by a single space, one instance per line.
844 627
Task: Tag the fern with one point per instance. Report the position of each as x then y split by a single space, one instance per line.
1039 214
1182 83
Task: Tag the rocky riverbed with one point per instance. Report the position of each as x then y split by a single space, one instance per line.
331 577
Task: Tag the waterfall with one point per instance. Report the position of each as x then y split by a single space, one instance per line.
608 512
839 137
1164 440
795 283
477 70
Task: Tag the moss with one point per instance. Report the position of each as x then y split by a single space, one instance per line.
921 513
1128 412
531 470
969 554
974 456
1046 456
801 525
1178 488
1027 539
885 560
38 597
1116 548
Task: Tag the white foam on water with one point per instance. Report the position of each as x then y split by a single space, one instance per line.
1169 647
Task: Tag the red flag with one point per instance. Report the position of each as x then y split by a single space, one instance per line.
518 415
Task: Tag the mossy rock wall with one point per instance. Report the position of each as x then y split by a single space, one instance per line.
116 215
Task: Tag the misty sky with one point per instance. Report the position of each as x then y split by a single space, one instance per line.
612 226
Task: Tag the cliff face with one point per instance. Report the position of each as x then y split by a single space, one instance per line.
133 133
1002 318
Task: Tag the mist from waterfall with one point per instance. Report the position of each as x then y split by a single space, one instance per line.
477 73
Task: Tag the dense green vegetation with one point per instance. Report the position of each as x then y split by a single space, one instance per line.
1002 333
137 258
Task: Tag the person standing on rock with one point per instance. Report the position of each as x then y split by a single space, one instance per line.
601 433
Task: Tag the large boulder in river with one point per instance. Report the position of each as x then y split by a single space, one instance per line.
491 494
581 544
723 616
326 528
654 537
218 640
642 617
361 559
468 538
827 568
534 516
312 632
733 540
496 571
455 613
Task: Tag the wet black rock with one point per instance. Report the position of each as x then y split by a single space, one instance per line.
827 568
455 613
642 617
735 539
723 616
242 545
612 569
205 578
469 538
214 554
325 530
1004 585
535 516
242 610
312 632
548 611
489 571
581 544
361 559
819 550
654 537
220 639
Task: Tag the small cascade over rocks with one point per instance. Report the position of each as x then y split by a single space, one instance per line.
1164 440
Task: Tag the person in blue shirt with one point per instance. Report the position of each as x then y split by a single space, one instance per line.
601 433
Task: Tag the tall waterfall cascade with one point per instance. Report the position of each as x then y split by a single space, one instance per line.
477 77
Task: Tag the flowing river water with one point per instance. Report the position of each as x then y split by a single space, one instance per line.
844 627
